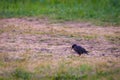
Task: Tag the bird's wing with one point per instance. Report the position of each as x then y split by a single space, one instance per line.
82 49
78 49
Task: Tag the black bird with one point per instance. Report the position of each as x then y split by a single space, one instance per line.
79 49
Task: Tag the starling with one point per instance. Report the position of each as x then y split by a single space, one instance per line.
79 49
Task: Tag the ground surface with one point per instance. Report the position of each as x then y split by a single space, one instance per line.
31 42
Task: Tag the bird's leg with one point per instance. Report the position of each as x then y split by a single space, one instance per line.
79 54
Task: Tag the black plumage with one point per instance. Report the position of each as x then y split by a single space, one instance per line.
79 49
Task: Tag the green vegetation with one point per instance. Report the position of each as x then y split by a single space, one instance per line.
65 72
106 11
21 74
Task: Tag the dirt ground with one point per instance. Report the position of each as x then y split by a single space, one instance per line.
35 39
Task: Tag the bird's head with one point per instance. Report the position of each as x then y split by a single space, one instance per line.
73 45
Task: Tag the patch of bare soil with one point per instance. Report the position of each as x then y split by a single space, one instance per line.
38 38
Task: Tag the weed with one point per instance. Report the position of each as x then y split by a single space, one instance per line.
1 63
22 74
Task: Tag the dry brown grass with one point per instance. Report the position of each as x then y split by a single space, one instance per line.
45 49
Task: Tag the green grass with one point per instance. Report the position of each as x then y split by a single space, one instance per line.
107 11
65 72
17 74
21 74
